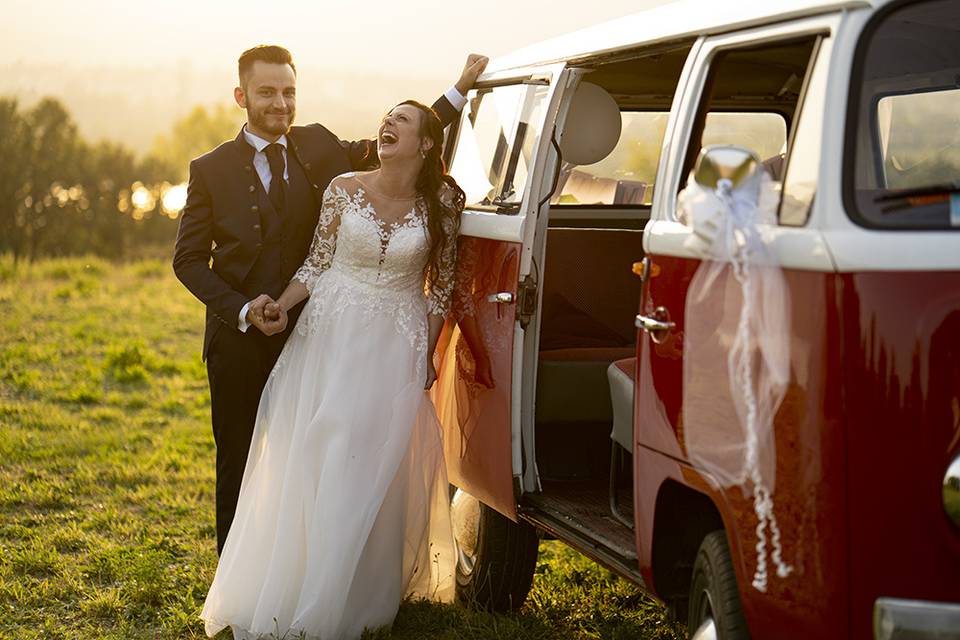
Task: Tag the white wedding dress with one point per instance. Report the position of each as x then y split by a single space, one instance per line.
344 508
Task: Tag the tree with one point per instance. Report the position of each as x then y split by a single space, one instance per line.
61 195
108 170
198 132
14 170
52 167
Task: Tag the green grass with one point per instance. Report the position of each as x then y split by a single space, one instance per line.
107 477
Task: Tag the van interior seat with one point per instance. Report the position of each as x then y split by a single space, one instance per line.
590 302
622 376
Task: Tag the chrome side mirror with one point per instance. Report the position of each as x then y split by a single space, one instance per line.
724 162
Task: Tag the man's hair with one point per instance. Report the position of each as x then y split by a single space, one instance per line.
264 53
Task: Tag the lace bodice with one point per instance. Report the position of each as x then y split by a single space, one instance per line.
353 239
377 263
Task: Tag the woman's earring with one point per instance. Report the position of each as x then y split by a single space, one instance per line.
423 154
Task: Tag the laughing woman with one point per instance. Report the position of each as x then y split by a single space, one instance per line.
343 509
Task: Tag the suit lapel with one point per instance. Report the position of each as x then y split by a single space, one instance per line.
306 163
244 151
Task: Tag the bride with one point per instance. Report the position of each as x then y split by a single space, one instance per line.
343 509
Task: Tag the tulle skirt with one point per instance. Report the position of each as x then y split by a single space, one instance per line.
344 506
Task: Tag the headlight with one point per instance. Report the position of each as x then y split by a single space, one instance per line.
951 491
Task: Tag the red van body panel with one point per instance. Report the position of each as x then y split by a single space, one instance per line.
476 420
901 374
810 495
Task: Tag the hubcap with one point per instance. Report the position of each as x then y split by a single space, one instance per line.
708 626
706 631
465 513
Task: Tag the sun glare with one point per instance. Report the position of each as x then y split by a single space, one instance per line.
141 196
173 199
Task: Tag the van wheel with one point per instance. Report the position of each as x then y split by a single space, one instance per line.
714 607
496 557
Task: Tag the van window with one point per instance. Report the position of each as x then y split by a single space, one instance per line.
800 181
749 100
643 87
906 123
496 142
764 133
626 176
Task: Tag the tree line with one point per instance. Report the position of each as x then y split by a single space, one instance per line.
61 194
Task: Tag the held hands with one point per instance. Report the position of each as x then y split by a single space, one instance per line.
266 315
474 66
276 318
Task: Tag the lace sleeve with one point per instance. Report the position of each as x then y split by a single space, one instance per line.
441 291
324 243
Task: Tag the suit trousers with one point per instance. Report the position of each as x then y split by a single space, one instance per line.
238 365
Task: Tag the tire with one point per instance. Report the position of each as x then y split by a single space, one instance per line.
714 606
496 557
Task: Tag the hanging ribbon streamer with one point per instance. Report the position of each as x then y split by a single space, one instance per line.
736 347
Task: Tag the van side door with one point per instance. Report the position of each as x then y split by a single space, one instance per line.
498 155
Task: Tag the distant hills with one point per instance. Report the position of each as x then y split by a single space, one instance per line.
134 106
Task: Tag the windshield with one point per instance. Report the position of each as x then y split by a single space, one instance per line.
907 152
496 142
919 137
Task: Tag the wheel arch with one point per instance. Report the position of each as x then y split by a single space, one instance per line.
683 517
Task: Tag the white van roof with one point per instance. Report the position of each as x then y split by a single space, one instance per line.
673 21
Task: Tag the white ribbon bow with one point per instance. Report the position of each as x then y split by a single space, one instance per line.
727 233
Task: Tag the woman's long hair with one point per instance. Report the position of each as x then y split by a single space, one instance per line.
443 218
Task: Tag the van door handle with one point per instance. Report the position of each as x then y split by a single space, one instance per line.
657 324
649 324
504 297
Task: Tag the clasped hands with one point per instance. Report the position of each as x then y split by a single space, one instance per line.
267 315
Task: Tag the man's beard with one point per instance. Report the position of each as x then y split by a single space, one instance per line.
260 121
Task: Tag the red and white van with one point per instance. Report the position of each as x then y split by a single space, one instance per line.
561 382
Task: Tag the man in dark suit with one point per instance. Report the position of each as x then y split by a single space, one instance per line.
252 207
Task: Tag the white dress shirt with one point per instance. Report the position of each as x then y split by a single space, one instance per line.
260 161
455 98
262 165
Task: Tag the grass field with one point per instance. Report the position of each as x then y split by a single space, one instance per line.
106 476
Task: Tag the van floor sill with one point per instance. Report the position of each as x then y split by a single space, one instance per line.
584 506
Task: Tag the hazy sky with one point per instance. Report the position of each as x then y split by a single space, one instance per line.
127 69
392 34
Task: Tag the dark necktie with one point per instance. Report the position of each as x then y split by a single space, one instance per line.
275 158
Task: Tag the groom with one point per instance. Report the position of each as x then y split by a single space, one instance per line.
252 207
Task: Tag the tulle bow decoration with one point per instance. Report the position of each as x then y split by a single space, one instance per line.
736 353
